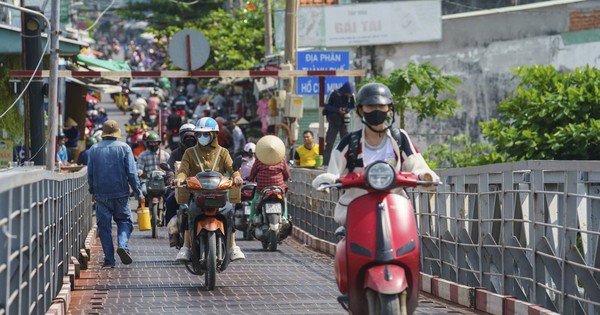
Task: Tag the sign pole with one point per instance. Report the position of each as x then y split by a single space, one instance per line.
189 53
321 117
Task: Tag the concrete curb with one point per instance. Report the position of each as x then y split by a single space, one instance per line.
60 304
475 298
314 242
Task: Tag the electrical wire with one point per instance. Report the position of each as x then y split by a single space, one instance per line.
100 16
41 58
181 2
28 82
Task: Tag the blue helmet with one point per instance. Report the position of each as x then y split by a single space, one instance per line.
206 124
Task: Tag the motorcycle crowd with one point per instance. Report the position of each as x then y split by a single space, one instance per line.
189 191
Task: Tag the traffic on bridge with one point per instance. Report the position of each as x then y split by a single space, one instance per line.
299 157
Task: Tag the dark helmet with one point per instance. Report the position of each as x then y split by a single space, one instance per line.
153 136
90 141
374 94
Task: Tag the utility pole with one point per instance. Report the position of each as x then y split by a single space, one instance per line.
268 29
32 33
291 38
53 84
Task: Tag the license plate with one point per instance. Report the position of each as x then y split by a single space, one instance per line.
273 208
175 138
247 210
152 117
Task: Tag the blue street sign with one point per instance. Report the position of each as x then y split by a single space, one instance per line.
321 60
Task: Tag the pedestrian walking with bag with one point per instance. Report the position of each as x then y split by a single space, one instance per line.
111 171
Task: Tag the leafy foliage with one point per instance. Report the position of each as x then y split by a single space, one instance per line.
421 88
550 116
162 14
13 121
236 38
460 151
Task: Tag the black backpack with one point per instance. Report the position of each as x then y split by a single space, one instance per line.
355 137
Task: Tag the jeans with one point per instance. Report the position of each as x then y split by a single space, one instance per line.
336 125
119 210
171 207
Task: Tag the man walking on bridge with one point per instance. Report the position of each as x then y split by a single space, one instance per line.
111 170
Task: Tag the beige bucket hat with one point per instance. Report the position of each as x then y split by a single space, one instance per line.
270 150
111 129
70 123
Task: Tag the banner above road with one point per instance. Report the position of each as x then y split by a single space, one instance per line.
365 24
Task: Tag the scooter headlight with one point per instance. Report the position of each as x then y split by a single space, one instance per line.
381 175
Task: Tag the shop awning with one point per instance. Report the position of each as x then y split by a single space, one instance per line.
10 42
102 88
104 64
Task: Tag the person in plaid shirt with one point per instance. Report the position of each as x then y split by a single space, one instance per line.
149 160
269 169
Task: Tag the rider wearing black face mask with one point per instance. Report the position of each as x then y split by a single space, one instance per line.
376 141
188 140
150 159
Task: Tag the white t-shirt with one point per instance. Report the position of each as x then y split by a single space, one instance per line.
383 152
238 139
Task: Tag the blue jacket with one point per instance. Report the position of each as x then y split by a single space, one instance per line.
111 170
337 99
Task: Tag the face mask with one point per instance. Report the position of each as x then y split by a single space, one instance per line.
153 148
189 142
376 117
204 140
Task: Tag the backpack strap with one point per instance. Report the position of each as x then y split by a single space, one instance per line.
397 135
199 161
353 150
355 142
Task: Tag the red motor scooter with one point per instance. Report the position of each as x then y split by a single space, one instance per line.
377 260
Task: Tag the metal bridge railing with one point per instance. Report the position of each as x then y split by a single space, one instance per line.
44 220
527 229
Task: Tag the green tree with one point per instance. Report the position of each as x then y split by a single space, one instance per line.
423 89
549 116
12 120
161 14
461 151
236 38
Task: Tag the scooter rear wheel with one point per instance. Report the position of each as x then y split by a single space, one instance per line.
272 240
154 220
384 304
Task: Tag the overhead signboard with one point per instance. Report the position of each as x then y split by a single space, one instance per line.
321 60
365 24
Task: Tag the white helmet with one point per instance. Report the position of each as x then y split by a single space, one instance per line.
250 147
186 128
206 124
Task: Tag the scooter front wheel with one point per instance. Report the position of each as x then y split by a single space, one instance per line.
385 304
210 277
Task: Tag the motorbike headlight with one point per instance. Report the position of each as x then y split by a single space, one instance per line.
381 175
211 183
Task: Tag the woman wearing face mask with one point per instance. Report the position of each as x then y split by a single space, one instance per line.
207 155
376 141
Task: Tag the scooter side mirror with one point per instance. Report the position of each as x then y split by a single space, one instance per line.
237 163
165 167
340 232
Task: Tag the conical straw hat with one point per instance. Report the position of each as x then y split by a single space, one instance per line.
270 150
70 123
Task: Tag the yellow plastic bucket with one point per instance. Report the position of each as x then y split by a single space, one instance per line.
144 219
